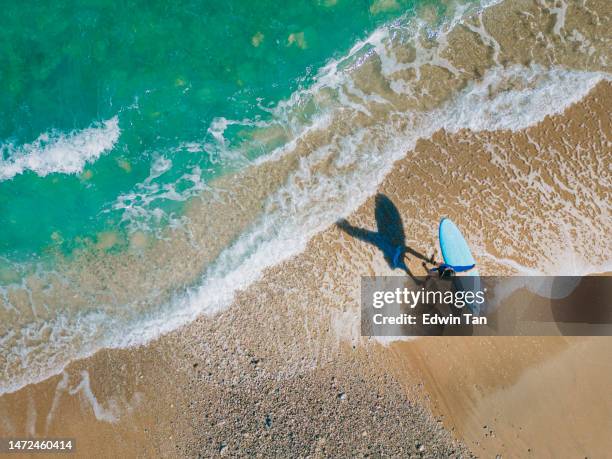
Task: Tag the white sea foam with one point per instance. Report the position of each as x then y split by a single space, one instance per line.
536 93
102 413
140 208
61 387
57 152
31 417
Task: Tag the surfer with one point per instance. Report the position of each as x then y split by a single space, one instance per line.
455 252
446 271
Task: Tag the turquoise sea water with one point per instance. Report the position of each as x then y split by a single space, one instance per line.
133 94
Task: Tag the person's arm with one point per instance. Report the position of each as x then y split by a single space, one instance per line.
440 267
459 269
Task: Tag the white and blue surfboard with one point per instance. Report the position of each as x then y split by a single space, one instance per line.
456 252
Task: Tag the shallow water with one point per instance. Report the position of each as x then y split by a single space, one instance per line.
93 100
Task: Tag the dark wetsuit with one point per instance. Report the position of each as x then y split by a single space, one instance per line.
445 270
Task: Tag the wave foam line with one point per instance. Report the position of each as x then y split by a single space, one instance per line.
57 152
310 201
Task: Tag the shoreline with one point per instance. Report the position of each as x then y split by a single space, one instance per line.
276 207
258 385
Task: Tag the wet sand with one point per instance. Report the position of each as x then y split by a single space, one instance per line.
284 370
518 397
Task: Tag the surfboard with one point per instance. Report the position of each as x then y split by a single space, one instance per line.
455 249
456 252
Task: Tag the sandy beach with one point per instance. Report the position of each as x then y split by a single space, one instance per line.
284 371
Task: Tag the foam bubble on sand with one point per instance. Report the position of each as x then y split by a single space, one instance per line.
518 97
111 411
61 387
57 152
101 413
31 417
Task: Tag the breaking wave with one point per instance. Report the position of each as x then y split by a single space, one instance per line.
57 152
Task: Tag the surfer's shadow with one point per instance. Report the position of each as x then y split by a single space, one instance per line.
389 238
